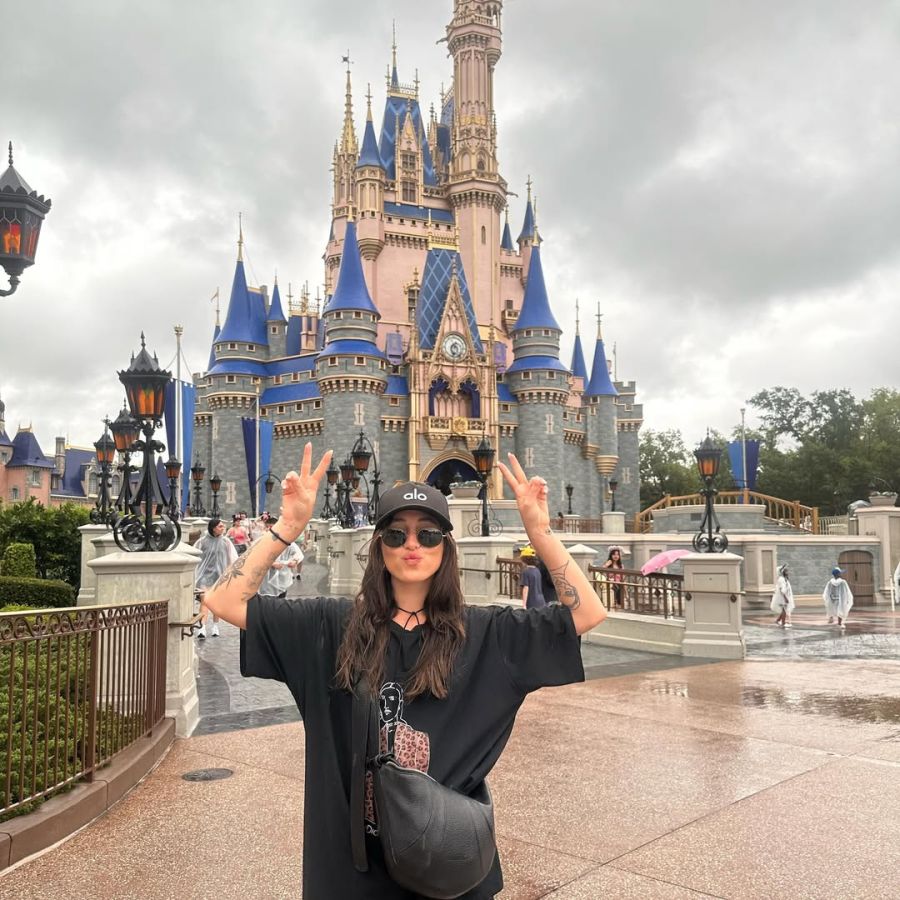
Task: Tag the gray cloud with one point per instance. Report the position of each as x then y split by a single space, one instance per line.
719 175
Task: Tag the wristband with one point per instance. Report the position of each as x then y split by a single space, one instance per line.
276 535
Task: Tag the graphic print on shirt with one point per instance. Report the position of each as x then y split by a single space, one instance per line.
411 748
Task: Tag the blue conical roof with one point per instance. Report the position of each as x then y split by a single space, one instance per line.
579 369
351 291
369 155
246 320
506 243
536 305
27 452
528 225
600 385
276 314
212 349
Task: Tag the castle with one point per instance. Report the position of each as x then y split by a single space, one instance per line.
436 328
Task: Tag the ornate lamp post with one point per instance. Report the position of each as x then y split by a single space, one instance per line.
269 485
103 512
613 484
22 211
361 457
331 475
145 387
708 456
197 473
484 462
215 483
569 490
125 431
345 507
173 470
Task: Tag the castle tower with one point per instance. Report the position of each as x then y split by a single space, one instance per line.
346 152
276 322
350 370
539 382
601 444
476 190
528 235
370 183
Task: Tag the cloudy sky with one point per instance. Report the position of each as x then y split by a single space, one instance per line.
720 176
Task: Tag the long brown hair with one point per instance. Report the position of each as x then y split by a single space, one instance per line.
366 636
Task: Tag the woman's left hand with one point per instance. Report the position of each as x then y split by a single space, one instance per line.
531 496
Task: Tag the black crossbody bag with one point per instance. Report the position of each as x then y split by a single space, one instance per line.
436 841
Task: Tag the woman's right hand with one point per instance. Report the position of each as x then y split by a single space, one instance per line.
299 491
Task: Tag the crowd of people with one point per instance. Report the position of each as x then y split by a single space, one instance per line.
220 548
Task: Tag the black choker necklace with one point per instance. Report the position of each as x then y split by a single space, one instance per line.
414 614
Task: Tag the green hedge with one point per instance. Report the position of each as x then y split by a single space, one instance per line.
35 593
19 561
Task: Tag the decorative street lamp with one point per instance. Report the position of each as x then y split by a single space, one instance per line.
197 473
484 462
145 387
103 512
269 486
22 211
173 470
569 490
215 483
345 507
125 431
360 457
708 456
331 475
613 484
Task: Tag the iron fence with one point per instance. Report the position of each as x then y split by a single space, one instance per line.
509 570
628 590
80 686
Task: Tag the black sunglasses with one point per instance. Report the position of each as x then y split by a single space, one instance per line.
427 537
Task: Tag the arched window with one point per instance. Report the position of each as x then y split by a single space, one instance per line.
483 235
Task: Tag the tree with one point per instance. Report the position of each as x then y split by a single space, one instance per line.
666 466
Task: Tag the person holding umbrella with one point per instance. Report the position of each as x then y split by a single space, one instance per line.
783 598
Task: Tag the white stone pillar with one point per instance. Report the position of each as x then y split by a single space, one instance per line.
712 606
342 581
883 523
583 556
478 567
125 578
613 523
96 541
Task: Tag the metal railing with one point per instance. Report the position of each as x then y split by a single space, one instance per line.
581 525
790 513
628 590
509 570
80 686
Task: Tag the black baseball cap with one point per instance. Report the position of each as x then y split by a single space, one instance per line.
414 495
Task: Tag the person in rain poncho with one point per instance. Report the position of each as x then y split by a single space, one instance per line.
218 554
838 598
783 598
281 573
897 584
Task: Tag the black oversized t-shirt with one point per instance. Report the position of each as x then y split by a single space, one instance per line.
507 653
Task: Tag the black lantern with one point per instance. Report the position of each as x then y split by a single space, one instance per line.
613 486
344 506
145 387
125 431
484 462
270 483
173 470
215 483
708 540
22 211
105 449
198 470
331 476
331 473
362 453
569 490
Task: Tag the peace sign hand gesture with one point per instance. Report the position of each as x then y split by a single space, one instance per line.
298 491
531 497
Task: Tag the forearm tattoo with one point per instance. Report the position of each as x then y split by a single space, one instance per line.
566 591
235 571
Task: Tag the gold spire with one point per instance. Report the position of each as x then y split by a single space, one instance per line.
394 46
240 237
290 300
577 319
369 102
529 182
348 135
599 324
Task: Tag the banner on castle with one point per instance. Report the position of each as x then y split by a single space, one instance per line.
394 348
266 434
735 455
188 405
500 357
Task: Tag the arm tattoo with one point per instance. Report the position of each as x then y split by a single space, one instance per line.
566 591
235 571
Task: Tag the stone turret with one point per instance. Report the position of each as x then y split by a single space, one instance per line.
601 444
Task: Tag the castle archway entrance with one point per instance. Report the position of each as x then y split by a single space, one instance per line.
449 471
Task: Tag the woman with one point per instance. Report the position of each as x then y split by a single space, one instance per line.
614 561
449 677
238 534
218 554
838 598
783 598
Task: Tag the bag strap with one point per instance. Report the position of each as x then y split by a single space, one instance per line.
359 739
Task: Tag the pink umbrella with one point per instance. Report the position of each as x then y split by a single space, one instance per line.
661 560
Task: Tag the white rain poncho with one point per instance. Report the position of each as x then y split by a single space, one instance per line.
783 598
218 555
277 581
838 597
